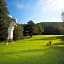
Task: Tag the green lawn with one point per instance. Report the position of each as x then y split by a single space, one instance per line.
33 51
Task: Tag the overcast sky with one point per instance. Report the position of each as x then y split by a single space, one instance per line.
36 10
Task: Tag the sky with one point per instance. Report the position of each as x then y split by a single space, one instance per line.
36 10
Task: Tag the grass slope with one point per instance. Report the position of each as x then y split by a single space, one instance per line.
33 51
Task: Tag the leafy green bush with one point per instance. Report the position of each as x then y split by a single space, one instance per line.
18 32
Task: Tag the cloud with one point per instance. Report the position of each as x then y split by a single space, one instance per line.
43 5
22 6
50 9
46 20
52 5
52 20
16 19
10 16
44 10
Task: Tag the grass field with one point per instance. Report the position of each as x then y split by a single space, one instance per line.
33 51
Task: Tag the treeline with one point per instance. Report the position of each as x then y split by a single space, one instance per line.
43 28
28 29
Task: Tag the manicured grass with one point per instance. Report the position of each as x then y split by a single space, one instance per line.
33 51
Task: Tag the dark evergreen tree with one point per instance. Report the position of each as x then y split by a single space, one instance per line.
4 19
28 28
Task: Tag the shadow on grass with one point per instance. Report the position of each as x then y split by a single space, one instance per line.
49 38
60 37
27 37
62 43
22 51
54 55
58 48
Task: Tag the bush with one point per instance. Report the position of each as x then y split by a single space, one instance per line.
18 32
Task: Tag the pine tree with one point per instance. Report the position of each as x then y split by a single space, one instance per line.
4 19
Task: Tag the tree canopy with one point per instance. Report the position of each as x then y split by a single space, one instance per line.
4 19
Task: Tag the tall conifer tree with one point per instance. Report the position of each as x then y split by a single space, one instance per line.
4 19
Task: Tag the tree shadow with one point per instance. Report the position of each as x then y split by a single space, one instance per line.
56 48
51 38
56 53
48 38
22 51
62 43
60 37
26 37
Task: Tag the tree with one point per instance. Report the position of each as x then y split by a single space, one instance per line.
18 32
52 30
4 19
40 27
33 29
28 28
62 16
61 28
62 25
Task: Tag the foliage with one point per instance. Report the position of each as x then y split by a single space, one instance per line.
28 28
34 29
4 20
61 28
18 32
52 30
40 27
62 16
